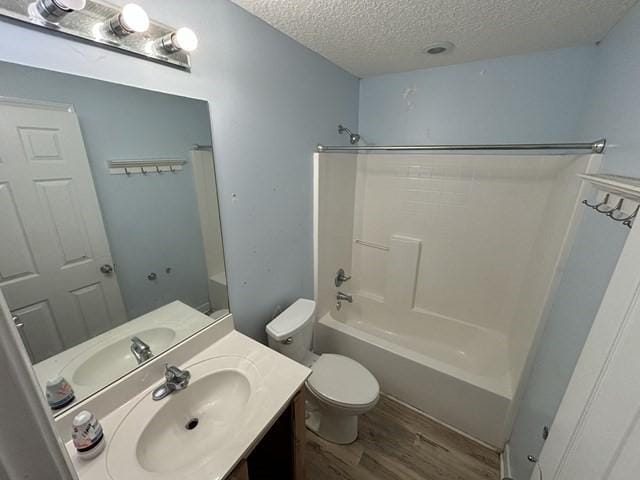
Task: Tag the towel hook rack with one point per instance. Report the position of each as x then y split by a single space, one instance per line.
621 190
146 166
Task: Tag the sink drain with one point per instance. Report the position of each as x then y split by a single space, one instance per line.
191 424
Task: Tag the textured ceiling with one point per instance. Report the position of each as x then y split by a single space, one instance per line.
370 37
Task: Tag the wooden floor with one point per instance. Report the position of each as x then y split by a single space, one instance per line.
397 443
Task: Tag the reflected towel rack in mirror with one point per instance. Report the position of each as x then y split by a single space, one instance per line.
144 167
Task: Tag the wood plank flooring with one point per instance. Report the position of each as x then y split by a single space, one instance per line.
398 443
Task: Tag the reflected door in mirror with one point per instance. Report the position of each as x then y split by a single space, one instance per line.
55 262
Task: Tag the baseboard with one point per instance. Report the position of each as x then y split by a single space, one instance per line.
505 463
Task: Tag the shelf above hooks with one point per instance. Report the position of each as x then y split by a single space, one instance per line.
619 197
145 167
626 187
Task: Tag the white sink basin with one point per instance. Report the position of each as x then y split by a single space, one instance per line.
182 435
100 366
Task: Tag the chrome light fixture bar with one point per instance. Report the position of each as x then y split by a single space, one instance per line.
127 29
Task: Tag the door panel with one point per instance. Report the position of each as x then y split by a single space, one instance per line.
39 330
91 306
41 144
61 206
17 262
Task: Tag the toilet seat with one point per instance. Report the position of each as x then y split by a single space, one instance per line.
341 381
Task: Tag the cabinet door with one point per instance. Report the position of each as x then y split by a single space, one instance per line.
241 472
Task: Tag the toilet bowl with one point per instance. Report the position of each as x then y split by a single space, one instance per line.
339 389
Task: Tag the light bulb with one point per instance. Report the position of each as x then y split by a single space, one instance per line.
182 39
134 18
185 39
52 10
71 4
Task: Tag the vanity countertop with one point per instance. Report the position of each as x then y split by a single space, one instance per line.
280 379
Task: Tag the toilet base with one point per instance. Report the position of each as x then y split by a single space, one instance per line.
331 424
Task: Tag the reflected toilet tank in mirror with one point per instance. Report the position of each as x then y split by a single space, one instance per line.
110 214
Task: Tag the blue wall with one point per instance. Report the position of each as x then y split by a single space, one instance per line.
529 98
152 222
613 111
271 101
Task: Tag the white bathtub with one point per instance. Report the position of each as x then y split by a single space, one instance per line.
455 372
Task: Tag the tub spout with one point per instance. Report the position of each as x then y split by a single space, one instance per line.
344 297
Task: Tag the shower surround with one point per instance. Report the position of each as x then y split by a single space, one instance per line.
453 259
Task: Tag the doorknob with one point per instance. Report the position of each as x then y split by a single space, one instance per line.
106 269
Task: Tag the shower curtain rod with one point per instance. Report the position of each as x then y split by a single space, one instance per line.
595 147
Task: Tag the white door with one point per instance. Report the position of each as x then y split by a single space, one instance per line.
596 432
52 239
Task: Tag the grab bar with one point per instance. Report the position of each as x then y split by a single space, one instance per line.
372 245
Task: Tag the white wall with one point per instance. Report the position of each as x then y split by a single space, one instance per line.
334 184
477 216
494 230
271 102
553 240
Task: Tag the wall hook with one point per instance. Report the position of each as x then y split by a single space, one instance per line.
609 212
630 217
597 205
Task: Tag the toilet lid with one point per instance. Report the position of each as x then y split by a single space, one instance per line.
343 381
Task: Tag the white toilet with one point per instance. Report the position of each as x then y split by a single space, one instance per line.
339 389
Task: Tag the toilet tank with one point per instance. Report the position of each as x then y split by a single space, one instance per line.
291 332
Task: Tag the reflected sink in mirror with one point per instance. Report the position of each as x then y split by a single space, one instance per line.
186 433
114 360
94 364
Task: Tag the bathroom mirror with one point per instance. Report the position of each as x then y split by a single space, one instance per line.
109 215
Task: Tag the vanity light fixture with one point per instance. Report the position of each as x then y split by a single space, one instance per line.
126 28
182 39
53 10
132 19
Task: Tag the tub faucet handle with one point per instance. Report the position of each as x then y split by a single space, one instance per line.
341 277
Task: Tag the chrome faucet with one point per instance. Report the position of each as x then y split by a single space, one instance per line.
140 350
176 379
344 297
